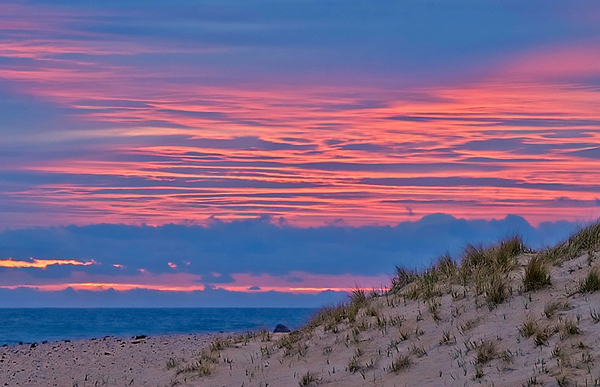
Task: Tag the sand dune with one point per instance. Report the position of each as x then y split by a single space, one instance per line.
505 317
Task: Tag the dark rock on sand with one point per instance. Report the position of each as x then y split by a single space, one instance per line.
280 328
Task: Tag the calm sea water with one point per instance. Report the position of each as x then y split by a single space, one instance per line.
36 325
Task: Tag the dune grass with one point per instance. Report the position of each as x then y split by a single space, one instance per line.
553 306
401 363
308 379
486 351
587 239
486 268
483 268
529 327
202 365
402 278
591 283
536 274
496 290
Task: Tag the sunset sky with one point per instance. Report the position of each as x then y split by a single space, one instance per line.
281 152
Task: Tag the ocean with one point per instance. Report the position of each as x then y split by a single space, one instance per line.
53 324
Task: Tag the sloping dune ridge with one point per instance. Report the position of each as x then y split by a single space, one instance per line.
503 316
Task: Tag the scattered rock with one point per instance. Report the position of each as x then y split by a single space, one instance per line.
280 328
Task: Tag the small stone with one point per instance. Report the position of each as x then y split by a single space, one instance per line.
280 328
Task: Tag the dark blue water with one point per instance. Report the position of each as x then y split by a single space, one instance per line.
36 325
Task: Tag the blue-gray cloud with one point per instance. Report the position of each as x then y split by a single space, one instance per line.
434 39
591 153
262 245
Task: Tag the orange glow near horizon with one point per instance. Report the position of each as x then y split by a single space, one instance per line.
164 288
42 263
182 282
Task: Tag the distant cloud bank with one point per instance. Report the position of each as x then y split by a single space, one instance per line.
234 262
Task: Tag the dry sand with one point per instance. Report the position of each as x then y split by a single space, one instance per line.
105 361
461 341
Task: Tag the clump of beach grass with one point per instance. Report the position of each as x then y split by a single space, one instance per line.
486 351
202 365
331 317
401 363
354 364
219 344
553 306
496 290
529 327
591 283
404 277
501 257
292 343
445 266
569 326
447 338
536 274
308 379
541 337
487 268
358 297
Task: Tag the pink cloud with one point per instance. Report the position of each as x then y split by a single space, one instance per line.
558 62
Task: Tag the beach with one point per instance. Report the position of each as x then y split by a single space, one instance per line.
95 362
546 331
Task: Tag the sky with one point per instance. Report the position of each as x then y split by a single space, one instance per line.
281 152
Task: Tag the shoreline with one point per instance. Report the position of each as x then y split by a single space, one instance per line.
36 326
111 337
29 344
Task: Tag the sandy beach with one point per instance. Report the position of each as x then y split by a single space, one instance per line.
446 334
97 362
